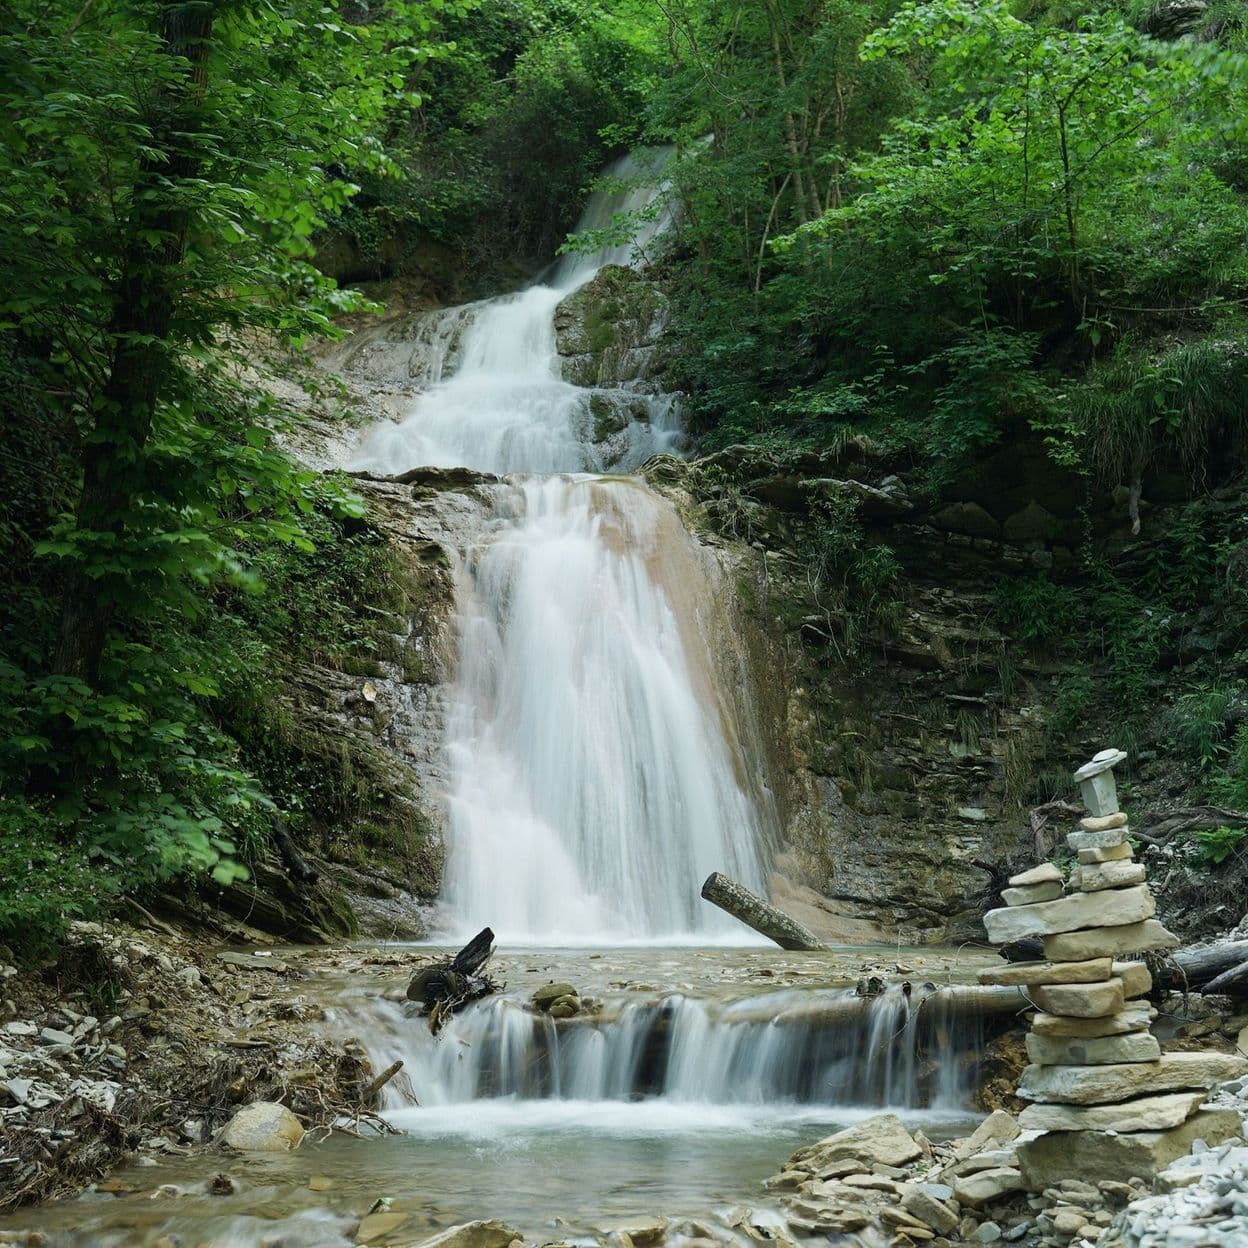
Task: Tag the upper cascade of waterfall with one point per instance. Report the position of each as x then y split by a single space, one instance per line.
497 400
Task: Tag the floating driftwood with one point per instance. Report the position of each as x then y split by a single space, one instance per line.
444 986
761 915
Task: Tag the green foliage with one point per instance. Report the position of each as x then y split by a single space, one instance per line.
163 170
46 881
1216 845
515 127
1177 405
1035 610
1199 723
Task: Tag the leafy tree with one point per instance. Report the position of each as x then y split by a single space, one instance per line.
165 166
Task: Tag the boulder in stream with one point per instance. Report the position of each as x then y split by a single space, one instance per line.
483 1234
263 1127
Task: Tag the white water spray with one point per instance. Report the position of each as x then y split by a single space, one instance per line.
594 760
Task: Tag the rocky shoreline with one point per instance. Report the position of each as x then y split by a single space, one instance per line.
146 1042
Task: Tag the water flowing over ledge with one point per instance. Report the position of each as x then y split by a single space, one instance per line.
597 767
769 1056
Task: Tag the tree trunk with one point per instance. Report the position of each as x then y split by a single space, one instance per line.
146 295
761 915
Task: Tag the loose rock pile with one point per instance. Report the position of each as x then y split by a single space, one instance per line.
876 1176
1107 1103
1203 1203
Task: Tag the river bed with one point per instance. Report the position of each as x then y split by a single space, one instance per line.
689 1143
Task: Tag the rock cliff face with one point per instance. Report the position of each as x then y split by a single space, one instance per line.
608 331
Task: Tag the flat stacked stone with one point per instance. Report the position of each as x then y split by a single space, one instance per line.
1099 1083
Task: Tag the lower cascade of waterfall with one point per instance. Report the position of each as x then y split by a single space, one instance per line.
809 1053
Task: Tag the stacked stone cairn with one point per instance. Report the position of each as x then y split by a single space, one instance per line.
1106 1103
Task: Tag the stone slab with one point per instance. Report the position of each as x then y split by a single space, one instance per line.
1029 894
1098 1156
986 1186
1045 873
1134 1046
1137 979
1101 762
1144 1113
1103 823
1081 1000
1111 853
1115 907
1135 1017
881 1138
1100 794
1097 840
1105 1085
1029 974
1099 942
1093 877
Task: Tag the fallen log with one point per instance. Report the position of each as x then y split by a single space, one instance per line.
761 915
447 985
1232 983
946 1004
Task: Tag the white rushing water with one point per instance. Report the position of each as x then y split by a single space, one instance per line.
498 402
685 1061
595 762
597 771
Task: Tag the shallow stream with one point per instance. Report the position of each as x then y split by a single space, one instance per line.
782 1053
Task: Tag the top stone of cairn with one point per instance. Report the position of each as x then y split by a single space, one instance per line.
1096 782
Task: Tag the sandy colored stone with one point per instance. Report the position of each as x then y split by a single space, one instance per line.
1134 1017
1093 877
1098 1156
1081 1000
934 1213
1137 979
1144 1113
376 1226
486 1234
1111 853
1103 1085
1113 908
1029 974
997 1129
1097 941
986 1186
1029 894
1103 823
263 1127
1097 840
1045 873
1134 1046
881 1138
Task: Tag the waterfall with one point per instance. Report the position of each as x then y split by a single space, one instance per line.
598 770
499 403
594 760
795 1048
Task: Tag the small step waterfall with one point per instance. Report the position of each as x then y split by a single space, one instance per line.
792 1048
597 768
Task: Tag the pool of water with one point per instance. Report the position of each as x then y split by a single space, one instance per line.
553 1170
